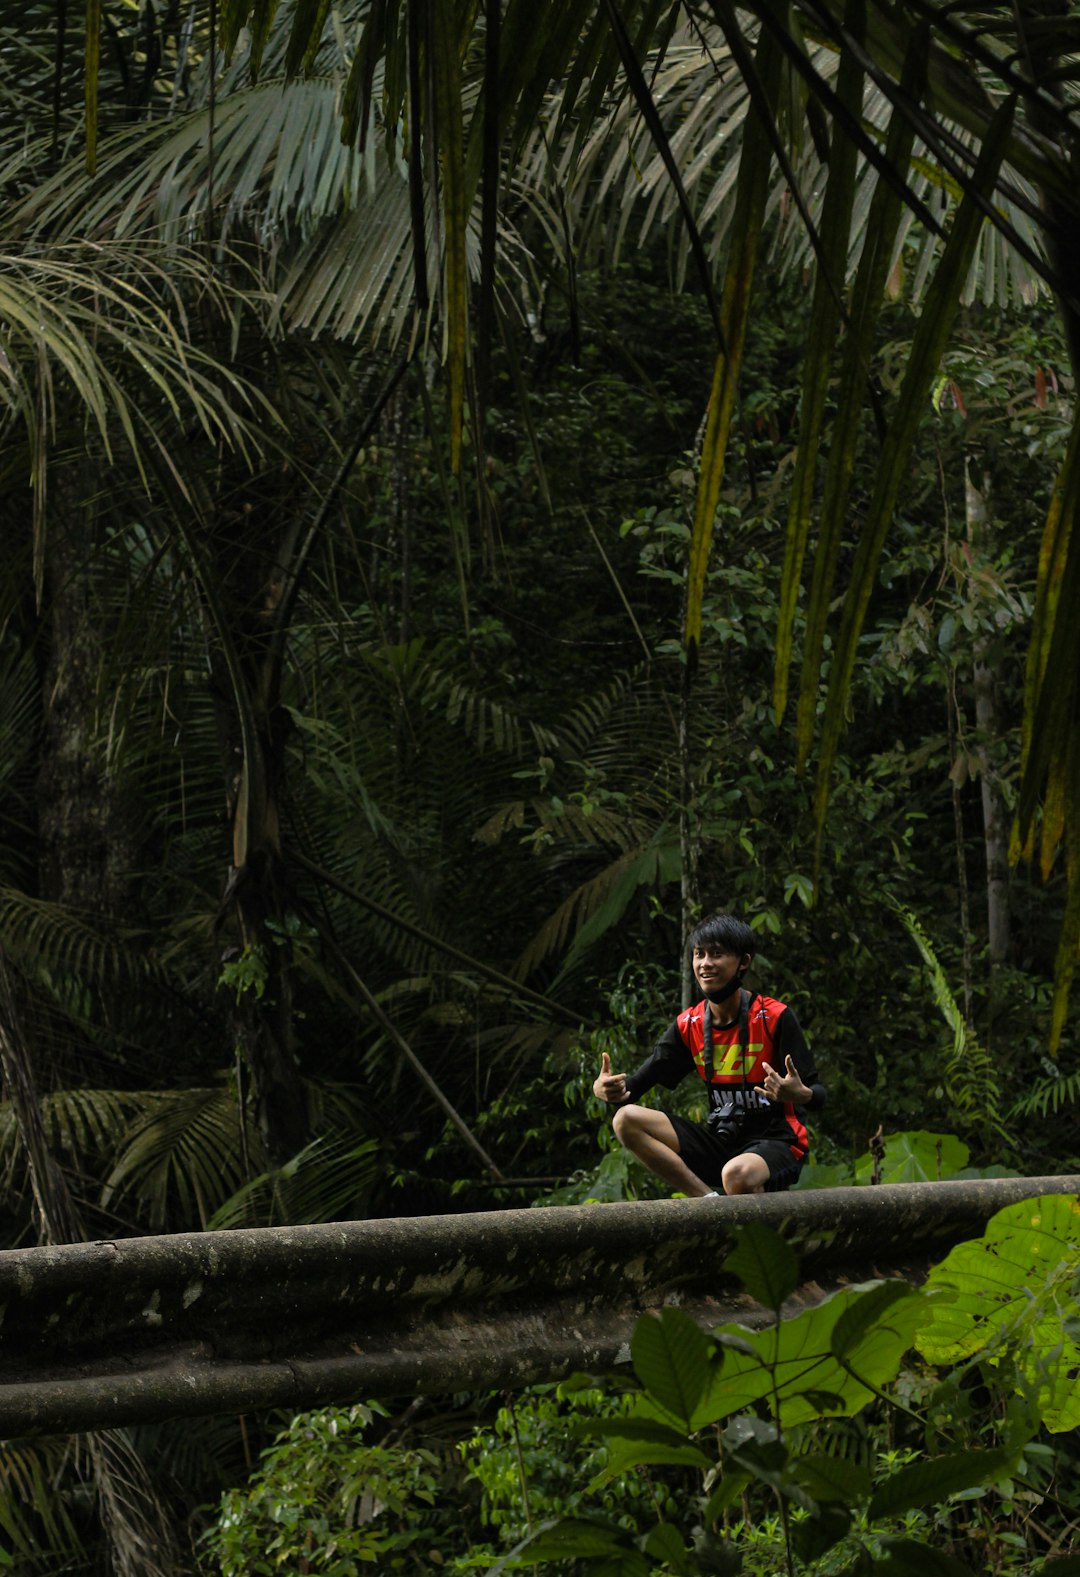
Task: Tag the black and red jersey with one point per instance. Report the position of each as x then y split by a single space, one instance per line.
736 1088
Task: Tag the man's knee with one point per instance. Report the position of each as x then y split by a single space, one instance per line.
745 1174
639 1126
627 1120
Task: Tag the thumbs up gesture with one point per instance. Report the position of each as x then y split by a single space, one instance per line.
609 1086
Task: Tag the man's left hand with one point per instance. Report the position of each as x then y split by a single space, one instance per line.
788 1088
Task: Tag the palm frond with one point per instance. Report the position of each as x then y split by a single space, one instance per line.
183 1159
327 1177
20 702
137 1524
598 904
49 942
103 325
34 1517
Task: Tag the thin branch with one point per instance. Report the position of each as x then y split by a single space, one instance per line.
299 564
647 105
388 1026
474 965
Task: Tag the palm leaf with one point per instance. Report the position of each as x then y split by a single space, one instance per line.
35 1519
878 251
71 319
752 192
183 1159
328 1176
930 340
47 939
824 320
598 904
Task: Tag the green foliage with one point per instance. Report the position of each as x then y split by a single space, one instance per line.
914 1158
910 1157
1013 1304
246 973
325 1501
778 1387
466 752
36 1522
970 1073
766 1266
733 1450
324 1181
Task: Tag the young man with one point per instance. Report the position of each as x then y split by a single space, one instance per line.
753 1139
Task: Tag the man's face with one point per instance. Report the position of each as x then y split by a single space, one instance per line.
714 966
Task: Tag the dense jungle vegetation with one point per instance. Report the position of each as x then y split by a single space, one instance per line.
412 502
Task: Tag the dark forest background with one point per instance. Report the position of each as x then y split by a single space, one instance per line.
357 780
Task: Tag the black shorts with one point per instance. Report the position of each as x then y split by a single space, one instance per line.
706 1154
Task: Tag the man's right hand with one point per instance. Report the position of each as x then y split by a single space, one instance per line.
609 1086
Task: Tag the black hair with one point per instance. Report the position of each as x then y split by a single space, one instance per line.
725 931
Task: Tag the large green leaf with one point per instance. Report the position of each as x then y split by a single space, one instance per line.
750 202
934 1479
672 1360
824 323
859 1319
792 1366
818 1533
766 1265
916 1157
626 1453
884 217
910 1558
1013 1291
665 1543
576 1538
829 1479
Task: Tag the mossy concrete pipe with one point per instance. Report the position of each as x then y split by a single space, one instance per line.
94 1335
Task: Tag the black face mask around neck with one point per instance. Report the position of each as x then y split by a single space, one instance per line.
719 993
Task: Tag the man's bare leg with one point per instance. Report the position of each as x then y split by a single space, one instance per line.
650 1137
745 1174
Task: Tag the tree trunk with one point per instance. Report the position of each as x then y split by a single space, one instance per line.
57 1219
995 816
299 1317
87 827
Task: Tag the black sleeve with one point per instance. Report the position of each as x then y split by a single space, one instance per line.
668 1064
790 1042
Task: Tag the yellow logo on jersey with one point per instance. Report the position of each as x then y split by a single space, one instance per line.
734 1064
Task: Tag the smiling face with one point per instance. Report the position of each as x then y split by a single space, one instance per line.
716 967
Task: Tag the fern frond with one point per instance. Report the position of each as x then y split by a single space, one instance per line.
1051 1094
970 1073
